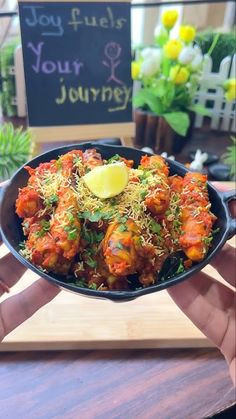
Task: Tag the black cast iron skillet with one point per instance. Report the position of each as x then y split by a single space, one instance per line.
11 231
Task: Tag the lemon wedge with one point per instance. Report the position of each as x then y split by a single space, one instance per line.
108 180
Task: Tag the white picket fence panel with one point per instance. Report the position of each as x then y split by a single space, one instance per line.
222 112
20 82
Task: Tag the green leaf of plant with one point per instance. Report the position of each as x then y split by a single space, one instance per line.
15 149
230 157
148 98
139 99
179 122
201 110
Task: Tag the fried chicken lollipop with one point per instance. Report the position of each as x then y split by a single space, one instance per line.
65 225
157 199
121 246
197 220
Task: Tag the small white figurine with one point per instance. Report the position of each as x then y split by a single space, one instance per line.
147 150
165 155
199 159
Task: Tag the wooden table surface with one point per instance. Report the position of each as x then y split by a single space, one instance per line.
145 384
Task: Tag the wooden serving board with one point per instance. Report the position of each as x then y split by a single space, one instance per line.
71 321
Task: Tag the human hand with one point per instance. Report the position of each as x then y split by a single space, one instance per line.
210 305
15 310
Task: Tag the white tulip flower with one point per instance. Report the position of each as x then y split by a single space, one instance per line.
149 67
151 61
186 55
146 53
151 53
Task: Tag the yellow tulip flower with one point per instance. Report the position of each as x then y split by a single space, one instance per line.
179 75
187 33
135 69
169 18
172 49
230 89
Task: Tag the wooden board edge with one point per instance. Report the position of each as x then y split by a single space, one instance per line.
106 345
82 132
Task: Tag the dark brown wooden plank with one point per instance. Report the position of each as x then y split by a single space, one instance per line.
114 384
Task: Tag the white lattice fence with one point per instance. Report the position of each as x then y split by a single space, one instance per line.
222 112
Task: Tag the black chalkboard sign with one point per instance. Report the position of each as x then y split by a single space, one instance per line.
77 59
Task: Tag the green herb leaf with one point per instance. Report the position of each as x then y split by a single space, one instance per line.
95 216
122 220
122 228
143 194
155 227
113 159
72 235
207 240
91 262
44 228
181 267
70 217
93 286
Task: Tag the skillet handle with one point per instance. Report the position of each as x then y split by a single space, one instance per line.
2 187
227 197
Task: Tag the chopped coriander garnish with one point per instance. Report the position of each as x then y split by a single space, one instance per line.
122 228
122 220
155 227
91 236
143 194
93 286
119 245
80 282
77 159
207 240
91 262
113 159
177 223
180 267
72 234
45 226
95 216
70 217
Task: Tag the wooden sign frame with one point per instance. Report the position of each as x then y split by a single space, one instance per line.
124 130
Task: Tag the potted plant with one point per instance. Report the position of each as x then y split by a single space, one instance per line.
169 73
16 148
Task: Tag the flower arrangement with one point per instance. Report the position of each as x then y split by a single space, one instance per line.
170 73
